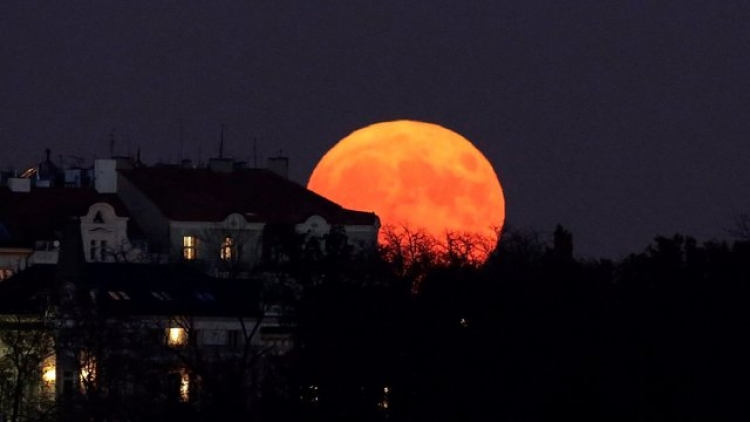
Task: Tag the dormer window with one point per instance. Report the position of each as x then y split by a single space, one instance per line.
227 249
189 248
97 250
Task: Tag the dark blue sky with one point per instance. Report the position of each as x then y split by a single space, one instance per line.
620 120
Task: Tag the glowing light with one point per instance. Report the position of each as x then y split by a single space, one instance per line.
88 369
384 403
189 248
184 386
176 337
227 248
414 174
49 371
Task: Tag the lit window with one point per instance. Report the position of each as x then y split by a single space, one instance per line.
5 272
176 337
88 370
384 402
179 384
184 386
49 371
227 249
189 244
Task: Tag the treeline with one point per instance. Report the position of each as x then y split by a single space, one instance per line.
531 334
424 331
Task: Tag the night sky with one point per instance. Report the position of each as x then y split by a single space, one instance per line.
619 120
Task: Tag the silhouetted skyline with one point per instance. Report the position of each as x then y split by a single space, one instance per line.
619 121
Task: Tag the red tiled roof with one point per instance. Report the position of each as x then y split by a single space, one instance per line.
43 212
258 194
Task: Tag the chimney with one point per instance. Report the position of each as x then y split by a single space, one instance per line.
105 175
279 165
221 164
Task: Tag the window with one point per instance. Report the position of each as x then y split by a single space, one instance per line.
118 295
234 339
49 371
5 272
98 250
214 337
179 385
227 249
189 247
176 337
88 370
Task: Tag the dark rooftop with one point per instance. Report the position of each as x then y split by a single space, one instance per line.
41 213
258 194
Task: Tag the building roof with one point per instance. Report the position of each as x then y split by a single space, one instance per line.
259 194
41 213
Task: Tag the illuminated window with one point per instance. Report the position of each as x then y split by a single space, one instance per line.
88 370
227 249
49 371
179 385
176 337
384 402
189 247
184 386
5 272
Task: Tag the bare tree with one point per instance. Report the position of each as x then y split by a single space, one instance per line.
413 252
27 368
224 375
741 228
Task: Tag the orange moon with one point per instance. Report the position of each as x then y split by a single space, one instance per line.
416 175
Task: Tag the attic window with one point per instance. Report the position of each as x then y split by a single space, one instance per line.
161 295
98 217
118 295
205 297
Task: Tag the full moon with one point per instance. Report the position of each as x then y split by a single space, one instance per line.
417 175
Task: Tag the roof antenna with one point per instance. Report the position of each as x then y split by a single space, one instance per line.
221 142
182 141
112 143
